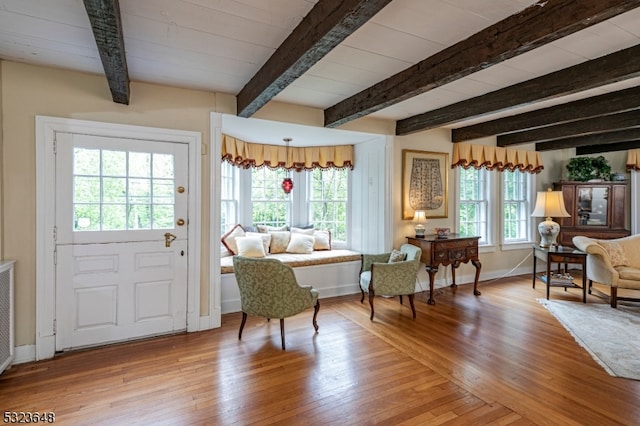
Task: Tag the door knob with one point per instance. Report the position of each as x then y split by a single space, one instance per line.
180 222
168 239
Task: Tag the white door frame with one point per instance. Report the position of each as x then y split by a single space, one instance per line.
46 129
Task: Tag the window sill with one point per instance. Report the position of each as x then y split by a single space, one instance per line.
487 248
521 245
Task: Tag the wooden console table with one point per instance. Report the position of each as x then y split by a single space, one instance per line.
453 251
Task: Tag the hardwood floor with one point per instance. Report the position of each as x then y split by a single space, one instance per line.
499 358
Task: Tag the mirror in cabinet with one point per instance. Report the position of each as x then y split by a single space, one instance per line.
592 206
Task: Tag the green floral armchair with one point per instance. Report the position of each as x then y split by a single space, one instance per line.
381 276
268 288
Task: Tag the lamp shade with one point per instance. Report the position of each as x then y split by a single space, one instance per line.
550 204
419 218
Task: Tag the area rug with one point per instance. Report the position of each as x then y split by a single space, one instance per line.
611 336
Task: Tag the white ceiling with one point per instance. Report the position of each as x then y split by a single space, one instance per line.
218 45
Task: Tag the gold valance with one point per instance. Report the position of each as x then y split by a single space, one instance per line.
467 155
246 154
633 160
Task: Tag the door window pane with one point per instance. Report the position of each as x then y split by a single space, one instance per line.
116 190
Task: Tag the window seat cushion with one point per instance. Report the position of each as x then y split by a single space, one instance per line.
294 260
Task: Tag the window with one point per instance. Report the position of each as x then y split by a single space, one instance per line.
327 201
255 196
516 208
228 197
269 204
474 204
120 190
505 216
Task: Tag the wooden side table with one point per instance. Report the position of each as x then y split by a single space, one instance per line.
452 250
560 255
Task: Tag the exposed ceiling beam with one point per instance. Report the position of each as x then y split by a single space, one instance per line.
104 16
324 27
510 37
591 140
596 149
609 103
611 68
589 126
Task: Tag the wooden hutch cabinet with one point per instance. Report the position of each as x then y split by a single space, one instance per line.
597 210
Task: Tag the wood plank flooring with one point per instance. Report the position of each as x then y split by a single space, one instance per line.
499 358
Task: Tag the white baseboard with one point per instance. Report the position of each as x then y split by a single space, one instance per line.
26 353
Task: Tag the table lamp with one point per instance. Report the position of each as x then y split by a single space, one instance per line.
549 204
419 218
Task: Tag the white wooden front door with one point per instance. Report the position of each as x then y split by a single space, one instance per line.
120 239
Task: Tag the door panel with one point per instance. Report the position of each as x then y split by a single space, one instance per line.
116 276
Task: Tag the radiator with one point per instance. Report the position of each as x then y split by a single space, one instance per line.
7 345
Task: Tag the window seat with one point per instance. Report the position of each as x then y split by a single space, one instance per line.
331 272
321 257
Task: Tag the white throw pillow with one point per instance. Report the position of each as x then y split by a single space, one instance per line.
250 247
229 239
266 239
322 240
301 244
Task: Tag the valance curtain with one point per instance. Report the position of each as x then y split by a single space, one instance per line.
494 157
246 154
633 160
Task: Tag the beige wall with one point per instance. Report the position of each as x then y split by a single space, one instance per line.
27 91
439 140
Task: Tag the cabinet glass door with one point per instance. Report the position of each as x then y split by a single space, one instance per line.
592 206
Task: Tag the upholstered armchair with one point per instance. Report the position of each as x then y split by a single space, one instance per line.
615 263
268 288
390 274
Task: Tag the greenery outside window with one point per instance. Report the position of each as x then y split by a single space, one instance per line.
120 190
473 204
516 207
327 201
255 196
269 204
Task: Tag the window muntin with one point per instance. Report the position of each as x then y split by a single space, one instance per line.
473 204
327 201
120 190
515 206
259 199
269 204
228 197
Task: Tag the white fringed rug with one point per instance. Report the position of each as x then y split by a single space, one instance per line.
611 336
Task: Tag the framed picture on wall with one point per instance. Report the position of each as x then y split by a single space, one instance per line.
425 183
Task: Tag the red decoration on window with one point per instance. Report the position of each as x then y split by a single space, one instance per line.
287 185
